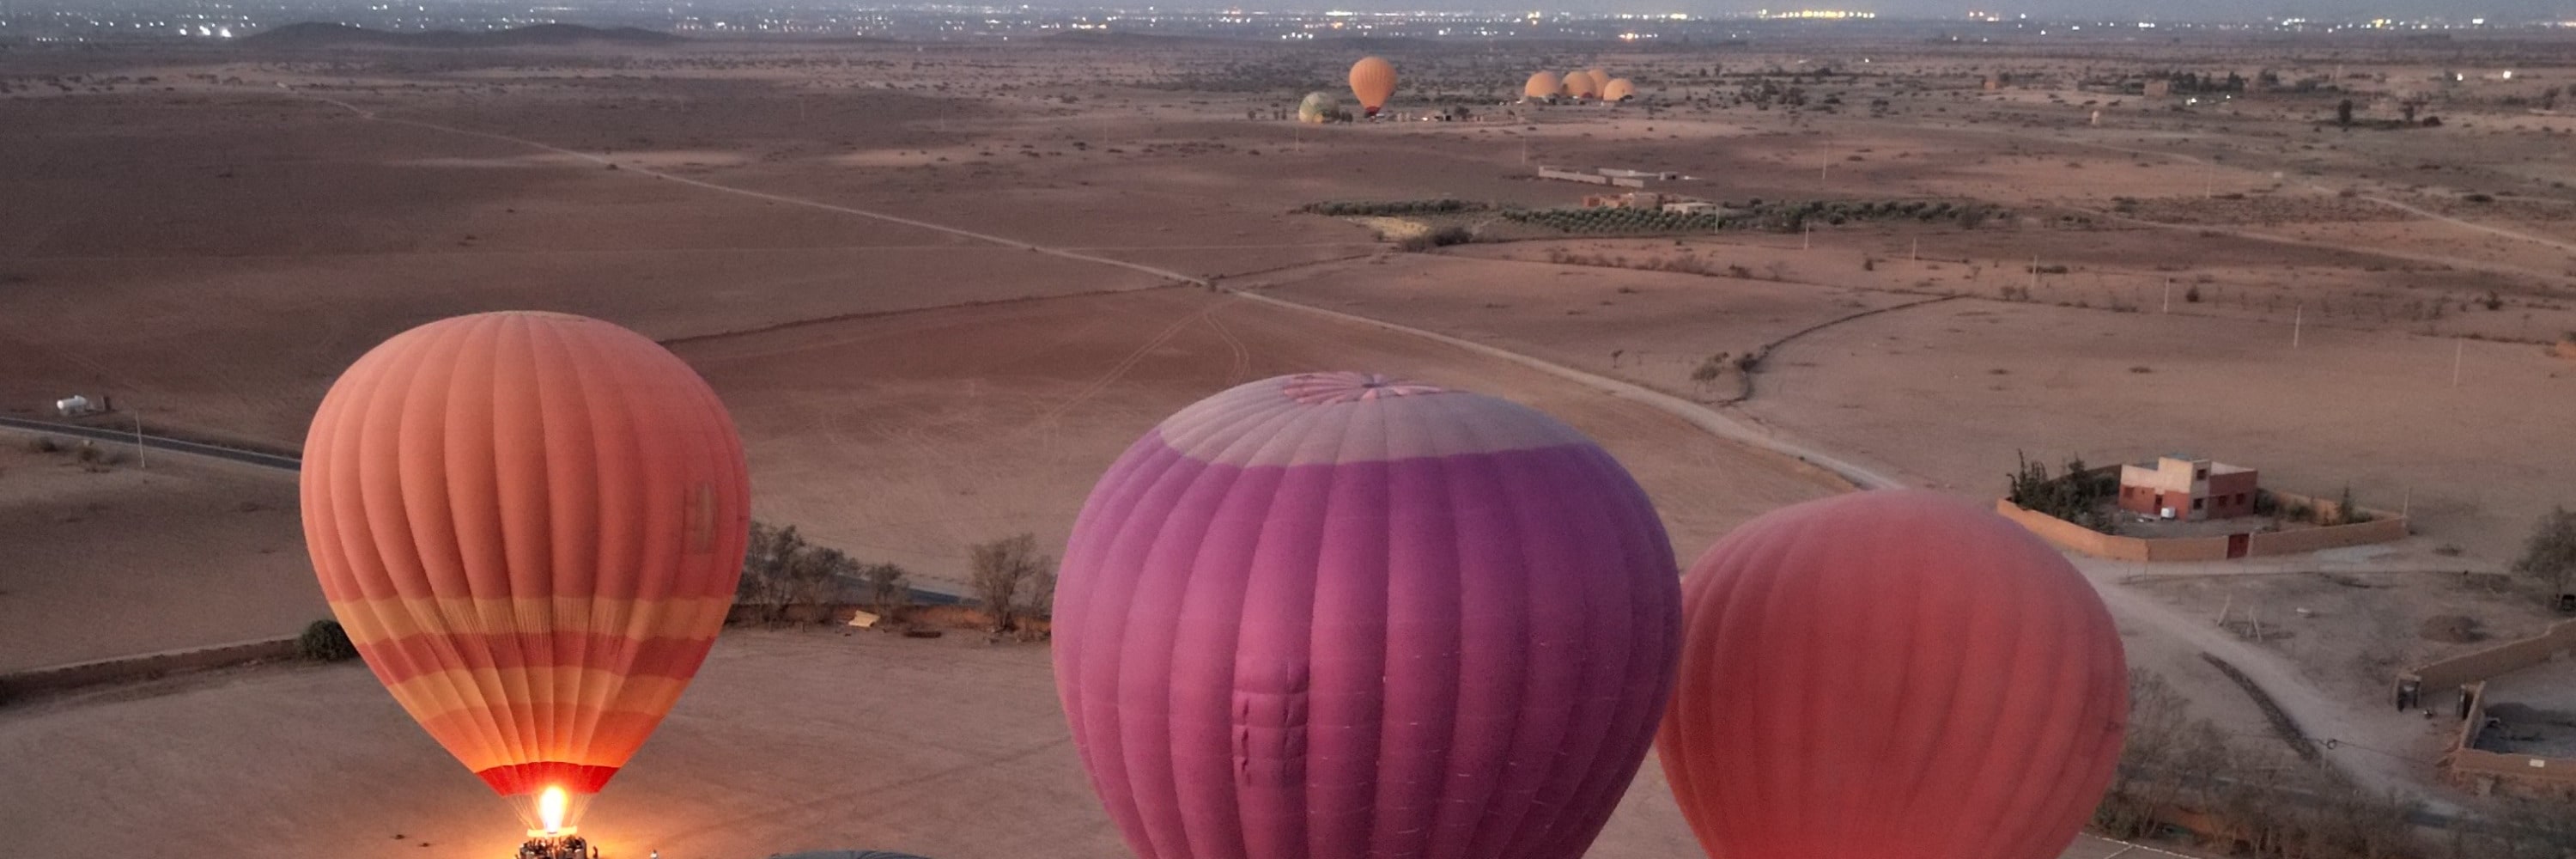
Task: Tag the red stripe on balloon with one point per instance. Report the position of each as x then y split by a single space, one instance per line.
529 778
412 656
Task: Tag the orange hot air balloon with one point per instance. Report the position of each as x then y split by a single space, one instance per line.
1541 87
1581 85
1372 82
531 525
1891 675
1618 89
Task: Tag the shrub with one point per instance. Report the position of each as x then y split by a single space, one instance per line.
2076 496
43 444
325 641
2191 295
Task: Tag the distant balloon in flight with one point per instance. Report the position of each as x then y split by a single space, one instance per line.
1541 87
1317 108
1891 675
1372 82
1618 89
1335 616
531 525
1581 85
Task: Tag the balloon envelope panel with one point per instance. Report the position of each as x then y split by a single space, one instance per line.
1339 616
531 525
1891 675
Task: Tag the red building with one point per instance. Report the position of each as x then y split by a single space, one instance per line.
2174 487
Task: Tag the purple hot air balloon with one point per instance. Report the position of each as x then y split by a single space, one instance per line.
1334 615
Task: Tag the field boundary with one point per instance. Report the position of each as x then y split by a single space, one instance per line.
120 669
2383 527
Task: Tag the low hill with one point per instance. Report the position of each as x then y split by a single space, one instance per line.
316 34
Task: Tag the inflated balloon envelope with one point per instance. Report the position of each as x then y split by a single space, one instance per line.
1372 82
1337 615
531 525
1891 675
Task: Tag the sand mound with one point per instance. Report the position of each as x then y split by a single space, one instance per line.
2453 628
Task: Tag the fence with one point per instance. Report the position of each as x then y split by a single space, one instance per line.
2466 764
2382 528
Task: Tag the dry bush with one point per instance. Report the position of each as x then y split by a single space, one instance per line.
1001 568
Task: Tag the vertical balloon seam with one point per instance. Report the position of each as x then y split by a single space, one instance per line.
664 552
1596 532
1925 742
2032 624
1504 808
600 415
513 362
1243 489
1175 547
2055 746
1656 602
430 609
1589 531
484 429
1151 536
1464 491
1138 490
1760 680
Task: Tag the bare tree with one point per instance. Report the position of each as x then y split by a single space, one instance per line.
1000 568
2550 554
764 568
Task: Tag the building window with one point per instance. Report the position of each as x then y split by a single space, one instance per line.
2195 503
2202 474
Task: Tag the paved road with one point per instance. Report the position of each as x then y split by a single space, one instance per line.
127 437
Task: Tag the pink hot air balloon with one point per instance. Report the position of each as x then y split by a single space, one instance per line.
1337 616
1892 675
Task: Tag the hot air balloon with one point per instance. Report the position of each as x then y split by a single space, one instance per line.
1337 615
1618 89
1372 82
1541 87
1891 675
1599 77
531 525
1581 85
1318 108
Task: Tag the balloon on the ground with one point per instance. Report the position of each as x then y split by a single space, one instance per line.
1317 108
1334 615
531 525
1618 89
1372 82
1891 675
1581 85
1542 86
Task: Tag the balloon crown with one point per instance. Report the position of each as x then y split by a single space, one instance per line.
1329 388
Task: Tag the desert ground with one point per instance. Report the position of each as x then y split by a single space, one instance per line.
788 741
941 287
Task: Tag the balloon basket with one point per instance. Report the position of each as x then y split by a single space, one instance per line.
558 845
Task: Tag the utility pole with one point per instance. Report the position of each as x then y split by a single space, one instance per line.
1807 237
140 461
2296 315
2168 295
2460 350
2034 272
1917 254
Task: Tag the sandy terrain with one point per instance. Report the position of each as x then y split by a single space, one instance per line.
181 554
881 435
787 741
215 251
